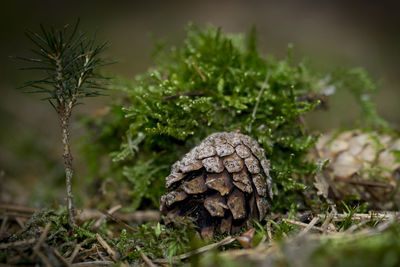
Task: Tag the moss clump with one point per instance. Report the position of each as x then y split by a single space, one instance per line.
212 82
157 240
35 224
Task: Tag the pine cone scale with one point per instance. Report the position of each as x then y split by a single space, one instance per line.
219 182
237 203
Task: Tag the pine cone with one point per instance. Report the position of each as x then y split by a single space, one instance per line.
361 164
222 183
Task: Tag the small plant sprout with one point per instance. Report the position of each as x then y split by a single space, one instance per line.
68 61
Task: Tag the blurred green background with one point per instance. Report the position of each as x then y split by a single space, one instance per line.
329 33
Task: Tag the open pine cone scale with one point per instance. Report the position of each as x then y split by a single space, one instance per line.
223 183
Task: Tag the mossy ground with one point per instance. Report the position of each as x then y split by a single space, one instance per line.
350 239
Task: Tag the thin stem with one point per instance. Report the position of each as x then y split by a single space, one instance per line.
59 84
253 115
68 165
64 111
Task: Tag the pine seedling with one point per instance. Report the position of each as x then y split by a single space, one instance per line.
69 61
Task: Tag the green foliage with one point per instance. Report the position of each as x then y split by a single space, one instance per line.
60 229
68 60
213 82
83 232
58 219
260 233
348 221
157 240
282 229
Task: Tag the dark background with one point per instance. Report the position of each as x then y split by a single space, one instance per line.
329 33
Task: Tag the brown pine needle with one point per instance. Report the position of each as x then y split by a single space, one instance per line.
305 225
41 239
118 220
44 259
114 255
18 243
363 182
74 253
61 258
312 224
18 208
328 219
101 219
198 70
145 258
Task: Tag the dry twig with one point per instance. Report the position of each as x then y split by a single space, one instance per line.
20 221
328 219
355 227
263 239
198 70
61 258
44 259
16 214
10 207
305 225
42 237
117 220
114 255
373 215
363 182
18 243
313 222
145 258
101 219
74 253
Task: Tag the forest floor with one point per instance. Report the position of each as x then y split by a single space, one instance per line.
29 237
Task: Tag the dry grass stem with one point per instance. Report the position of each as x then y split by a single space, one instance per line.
114 255
61 258
18 243
42 237
145 258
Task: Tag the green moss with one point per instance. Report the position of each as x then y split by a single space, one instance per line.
32 228
157 240
212 82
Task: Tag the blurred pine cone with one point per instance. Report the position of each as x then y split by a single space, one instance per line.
222 183
363 165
